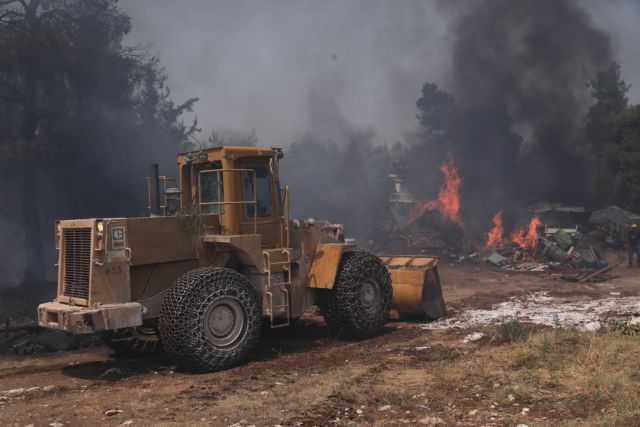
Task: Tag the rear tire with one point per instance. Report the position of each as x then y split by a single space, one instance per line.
359 303
133 342
211 319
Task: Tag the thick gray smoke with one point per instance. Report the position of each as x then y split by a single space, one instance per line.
254 64
535 58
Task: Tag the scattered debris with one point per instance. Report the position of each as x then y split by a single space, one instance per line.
530 250
596 273
528 266
496 259
112 412
614 222
24 337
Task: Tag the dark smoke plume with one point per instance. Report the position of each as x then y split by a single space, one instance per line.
533 57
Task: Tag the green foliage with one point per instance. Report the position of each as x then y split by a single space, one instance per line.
609 91
622 327
216 139
436 108
81 114
619 167
613 130
513 330
483 144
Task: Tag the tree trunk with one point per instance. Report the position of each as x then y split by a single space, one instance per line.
34 254
29 184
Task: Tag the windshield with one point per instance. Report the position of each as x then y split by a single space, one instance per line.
262 191
212 191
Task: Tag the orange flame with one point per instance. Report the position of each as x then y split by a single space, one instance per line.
495 235
527 237
448 201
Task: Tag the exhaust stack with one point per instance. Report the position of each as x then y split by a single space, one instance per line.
154 190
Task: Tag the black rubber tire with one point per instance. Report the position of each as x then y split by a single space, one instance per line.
186 316
343 307
133 342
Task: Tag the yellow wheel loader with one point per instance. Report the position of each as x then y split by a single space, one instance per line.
219 259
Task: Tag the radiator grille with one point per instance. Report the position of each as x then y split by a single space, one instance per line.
77 262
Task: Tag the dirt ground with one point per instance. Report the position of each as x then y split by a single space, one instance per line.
406 376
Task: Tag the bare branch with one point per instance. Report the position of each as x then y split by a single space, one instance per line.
12 13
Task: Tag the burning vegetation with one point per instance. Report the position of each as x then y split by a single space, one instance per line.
448 201
496 234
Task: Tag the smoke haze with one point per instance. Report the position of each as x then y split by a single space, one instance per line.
534 58
335 79
254 64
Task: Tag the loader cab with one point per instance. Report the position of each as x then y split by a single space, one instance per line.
238 185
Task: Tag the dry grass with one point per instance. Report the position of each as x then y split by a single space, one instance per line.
560 376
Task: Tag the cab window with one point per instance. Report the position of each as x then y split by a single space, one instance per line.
262 191
212 190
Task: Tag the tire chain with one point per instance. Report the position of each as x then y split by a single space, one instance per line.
182 323
341 305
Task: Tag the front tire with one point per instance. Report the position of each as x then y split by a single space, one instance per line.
211 319
359 303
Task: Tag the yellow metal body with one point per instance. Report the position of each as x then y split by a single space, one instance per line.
325 264
114 272
416 287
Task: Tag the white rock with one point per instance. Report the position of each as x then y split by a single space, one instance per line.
431 421
112 412
590 327
472 337
56 424
126 423
511 397
384 408
473 412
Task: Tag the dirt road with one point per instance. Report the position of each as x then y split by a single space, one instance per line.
300 376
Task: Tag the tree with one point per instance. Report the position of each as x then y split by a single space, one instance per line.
80 114
216 139
621 160
436 108
606 127
609 91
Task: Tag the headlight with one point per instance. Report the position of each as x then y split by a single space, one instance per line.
100 226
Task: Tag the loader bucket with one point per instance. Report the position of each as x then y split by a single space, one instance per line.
416 287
